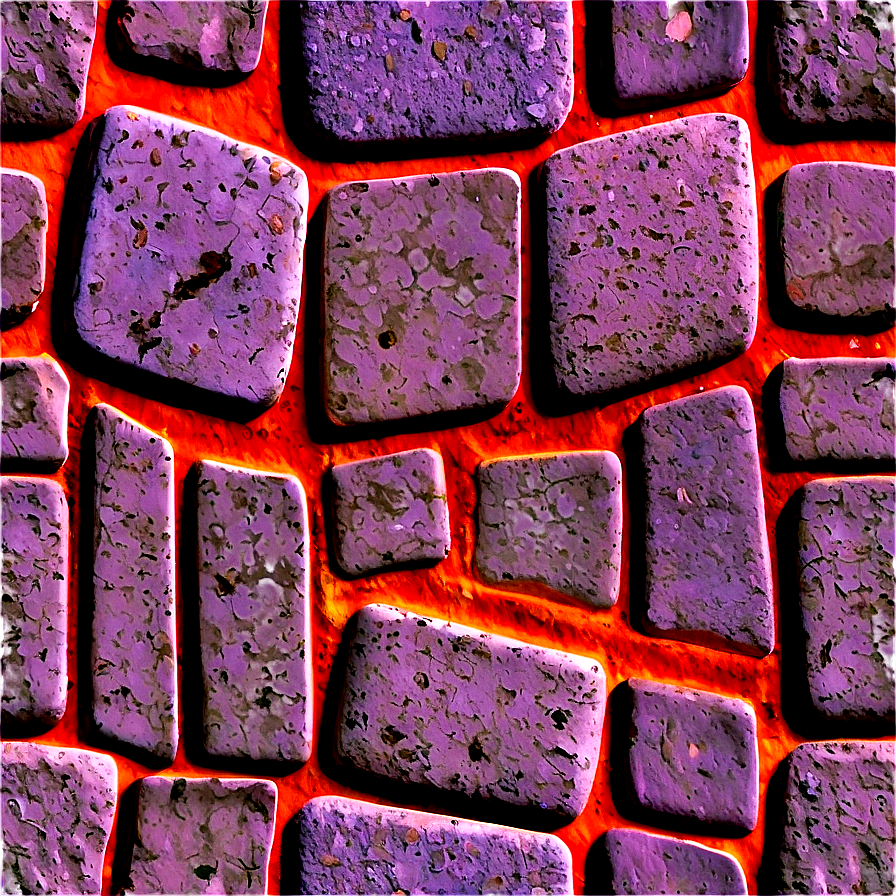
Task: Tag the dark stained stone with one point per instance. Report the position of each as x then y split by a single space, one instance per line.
23 220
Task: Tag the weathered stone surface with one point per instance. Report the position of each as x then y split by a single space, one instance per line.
708 569
391 509
555 520
23 221
254 613
435 703
191 265
652 253
133 654
57 811
422 295
202 835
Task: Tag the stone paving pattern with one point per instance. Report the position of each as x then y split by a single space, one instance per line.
23 256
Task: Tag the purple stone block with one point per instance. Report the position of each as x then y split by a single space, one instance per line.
652 253
191 264
350 847
708 575
57 811
422 295
202 835
390 510
23 221
454 708
133 654
254 613
554 520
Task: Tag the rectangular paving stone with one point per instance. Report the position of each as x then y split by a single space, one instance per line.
707 565
652 253
35 601
838 409
191 265
57 811
350 847
133 653
254 613
202 835
457 709
389 510
421 295
23 256
554 520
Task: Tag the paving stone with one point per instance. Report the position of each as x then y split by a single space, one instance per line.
838 819
652 253
705 513
133 654
254 613
34 430
35 600
58 806
191 264
23 220
347 846
422 295
432 71
692 756
202 835
846 587
46 52
555 520
454 708
838 409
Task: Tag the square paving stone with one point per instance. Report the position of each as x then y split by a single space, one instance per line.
554 520
35 601
202 835
191 265
390 510
652 253
692 756
708 572
58 806
422 295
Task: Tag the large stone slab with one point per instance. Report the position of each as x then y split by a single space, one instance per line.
23 257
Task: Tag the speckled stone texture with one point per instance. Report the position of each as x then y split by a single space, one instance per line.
645 863
708 569
457 709
554 520
57 811
838 409
350 847
133 654
23 222
44 55
666 52
838 819
34 429
652 253
254 613
417 71
693 756
421 295
191 264
202 835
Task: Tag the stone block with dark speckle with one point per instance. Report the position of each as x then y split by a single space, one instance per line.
23 221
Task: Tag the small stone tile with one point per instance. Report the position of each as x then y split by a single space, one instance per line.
708 572
554 520
191 266
35 600
254 613
202 835
652 253
422 295
351 847
838 819
23 221
57 811
838 409
692 756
